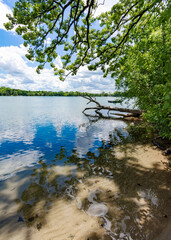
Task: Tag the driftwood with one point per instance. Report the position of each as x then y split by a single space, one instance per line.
135 113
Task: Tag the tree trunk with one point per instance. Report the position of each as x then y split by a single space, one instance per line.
98 107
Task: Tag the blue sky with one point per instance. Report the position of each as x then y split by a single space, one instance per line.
17 72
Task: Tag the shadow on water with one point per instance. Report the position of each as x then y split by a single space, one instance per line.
129 200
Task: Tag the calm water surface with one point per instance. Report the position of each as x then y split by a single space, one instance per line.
50 151
34 127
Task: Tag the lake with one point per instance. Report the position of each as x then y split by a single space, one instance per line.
34 127
66 176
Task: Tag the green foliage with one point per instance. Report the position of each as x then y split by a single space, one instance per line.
4 91
71 24
144 71
131 42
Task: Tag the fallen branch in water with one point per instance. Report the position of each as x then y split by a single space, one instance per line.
132 112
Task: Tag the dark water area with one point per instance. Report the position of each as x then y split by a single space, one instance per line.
34 127
50 152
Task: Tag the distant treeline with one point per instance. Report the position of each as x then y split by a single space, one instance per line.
4 91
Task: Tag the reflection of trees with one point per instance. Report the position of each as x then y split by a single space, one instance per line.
134 182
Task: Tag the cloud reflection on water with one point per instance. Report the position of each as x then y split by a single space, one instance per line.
31 127
11 164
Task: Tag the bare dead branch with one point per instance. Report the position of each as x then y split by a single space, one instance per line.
133 112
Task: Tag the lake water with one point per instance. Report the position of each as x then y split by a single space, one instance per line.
61 173
34 127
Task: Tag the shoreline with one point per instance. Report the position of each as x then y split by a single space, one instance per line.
77 217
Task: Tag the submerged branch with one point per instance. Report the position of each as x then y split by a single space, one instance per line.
111 110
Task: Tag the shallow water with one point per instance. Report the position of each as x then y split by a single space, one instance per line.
64 176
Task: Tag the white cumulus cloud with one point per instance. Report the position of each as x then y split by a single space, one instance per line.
4 10
17 72
104 6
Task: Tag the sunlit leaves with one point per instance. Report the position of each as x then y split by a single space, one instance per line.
131 42
144 71
36 20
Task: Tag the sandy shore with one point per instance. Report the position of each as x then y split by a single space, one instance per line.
130 199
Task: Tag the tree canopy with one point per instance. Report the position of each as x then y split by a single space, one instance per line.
85 38
130 42
6 91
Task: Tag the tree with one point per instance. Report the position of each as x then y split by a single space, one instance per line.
144 70
36 20
130 42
